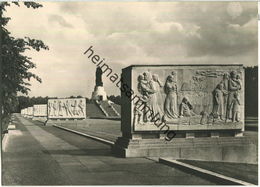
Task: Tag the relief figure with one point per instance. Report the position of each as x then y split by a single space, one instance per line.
55 108
239 81
149 87
60 108
67 108
234 85
186 108
138 112
81 107
224 82
156 98
145 88
75 108
50 111
235 108
218 110
170 103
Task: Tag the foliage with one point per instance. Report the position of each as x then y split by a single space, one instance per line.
15 65
79 96
251 91
25 102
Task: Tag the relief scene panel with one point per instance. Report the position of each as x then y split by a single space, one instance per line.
66 108
39 110
183 95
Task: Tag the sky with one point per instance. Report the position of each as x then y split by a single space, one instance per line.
127 33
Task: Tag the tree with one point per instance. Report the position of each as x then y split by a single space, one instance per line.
25 102
15 65
251 91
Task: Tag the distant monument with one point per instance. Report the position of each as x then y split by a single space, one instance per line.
99 81
99 91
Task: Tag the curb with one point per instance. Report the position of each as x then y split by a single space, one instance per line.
86 135
204 172
4 141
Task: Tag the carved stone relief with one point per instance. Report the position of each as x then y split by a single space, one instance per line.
30 111
67 108
40 110
194 103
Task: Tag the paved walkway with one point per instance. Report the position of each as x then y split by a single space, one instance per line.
45 155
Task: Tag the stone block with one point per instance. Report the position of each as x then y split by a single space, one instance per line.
231 149
190 135
179 111
214 134
40 110
11 127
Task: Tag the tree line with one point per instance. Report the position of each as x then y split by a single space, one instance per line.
251 91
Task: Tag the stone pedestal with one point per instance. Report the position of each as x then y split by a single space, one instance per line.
190 135
214 134
40 118
227 149
99 94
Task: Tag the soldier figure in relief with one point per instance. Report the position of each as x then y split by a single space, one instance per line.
232 103
235 108
81 107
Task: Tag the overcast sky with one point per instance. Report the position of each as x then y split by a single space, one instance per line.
126 33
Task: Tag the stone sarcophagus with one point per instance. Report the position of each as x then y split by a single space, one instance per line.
169 104
67 108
